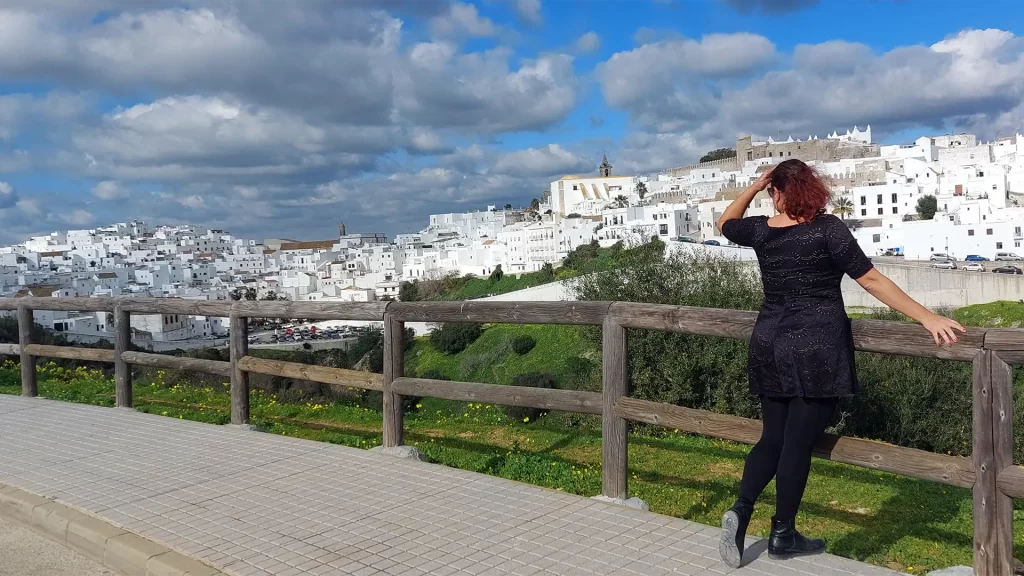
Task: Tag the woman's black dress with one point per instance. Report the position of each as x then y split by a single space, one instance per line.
802 344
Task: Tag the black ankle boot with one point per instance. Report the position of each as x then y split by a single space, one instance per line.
734 531
786 541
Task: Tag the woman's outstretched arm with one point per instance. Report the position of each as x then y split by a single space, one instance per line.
887 292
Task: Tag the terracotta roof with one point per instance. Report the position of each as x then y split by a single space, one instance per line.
50 254
107 275
37 291
311 245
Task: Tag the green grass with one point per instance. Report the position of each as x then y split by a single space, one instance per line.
1002 314
898 522
491 359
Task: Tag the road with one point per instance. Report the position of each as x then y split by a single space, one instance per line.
25 553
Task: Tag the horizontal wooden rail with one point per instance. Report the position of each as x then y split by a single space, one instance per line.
10 349
84 304
592 313
953 470
371 311
542 398
217 367
323 374
868 335
71 353
1011 481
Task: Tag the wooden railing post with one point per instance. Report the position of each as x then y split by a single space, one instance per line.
992 452
614 442
394 367
239 347
122 370
28 362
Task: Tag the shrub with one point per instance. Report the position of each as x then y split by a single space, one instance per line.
454 337
523 344
529 380
582 374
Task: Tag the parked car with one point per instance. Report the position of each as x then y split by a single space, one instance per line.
940 257
944 264
974 267
1007 256
975 258
1008 270
687 240
712 243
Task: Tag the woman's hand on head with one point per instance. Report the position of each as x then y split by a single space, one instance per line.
764 180
943 329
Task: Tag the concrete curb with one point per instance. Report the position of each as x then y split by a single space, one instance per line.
96 539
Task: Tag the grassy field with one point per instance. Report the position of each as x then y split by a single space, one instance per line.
490 359
902 523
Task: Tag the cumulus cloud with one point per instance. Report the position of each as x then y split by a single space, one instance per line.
665 84
588 43
462 18
974 78
482 92
529 11
549 160
109 190
8 197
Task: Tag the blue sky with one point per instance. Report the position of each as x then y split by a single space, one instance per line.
283 118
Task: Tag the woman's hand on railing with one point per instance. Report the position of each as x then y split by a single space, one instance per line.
942 329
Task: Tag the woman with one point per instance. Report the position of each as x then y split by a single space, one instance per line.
801 350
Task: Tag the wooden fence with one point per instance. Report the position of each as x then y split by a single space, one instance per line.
989 472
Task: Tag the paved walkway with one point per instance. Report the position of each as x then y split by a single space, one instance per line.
256 504
25 553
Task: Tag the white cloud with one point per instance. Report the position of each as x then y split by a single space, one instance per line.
462 19
973 79
587 43
8 197
109 190
529 11
549 160
77 217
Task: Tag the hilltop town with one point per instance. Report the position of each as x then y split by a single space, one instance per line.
877 190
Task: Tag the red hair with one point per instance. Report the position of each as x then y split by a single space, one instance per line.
803 192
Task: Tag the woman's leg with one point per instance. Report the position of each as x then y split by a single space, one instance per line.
763 460
761 464
807 421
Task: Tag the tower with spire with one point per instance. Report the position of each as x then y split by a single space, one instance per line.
606 167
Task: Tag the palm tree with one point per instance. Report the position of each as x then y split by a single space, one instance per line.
842 207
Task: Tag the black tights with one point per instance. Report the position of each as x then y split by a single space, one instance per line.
791 428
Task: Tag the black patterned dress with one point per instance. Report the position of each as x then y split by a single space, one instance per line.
802 343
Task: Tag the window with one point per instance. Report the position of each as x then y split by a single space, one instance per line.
988 232
750 155
863 212
895 210
981 174
1016 231
863 200
894 199
1016 243
993 186
789 154
769 154
879 199
970 232
663 229
876 238
881 211
575 187
999 245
